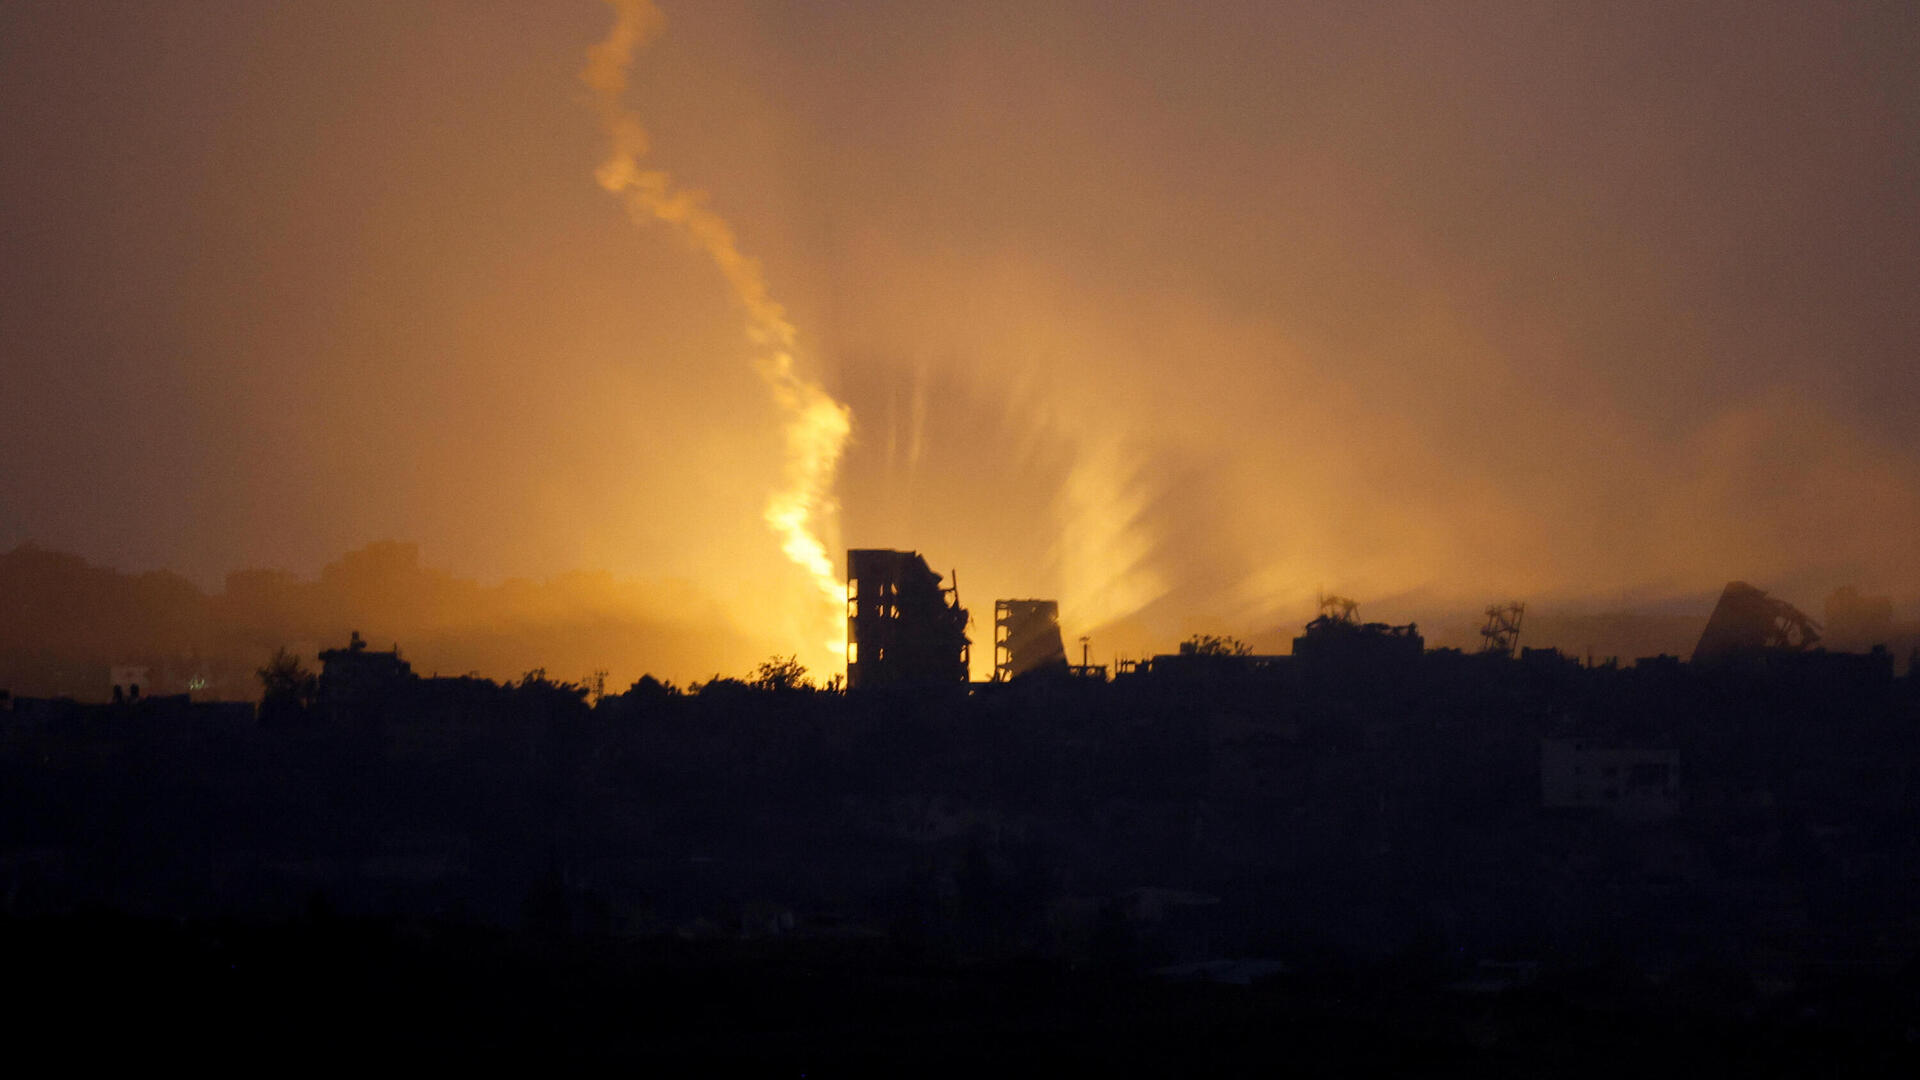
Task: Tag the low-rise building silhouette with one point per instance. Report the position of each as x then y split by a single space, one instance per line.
356 680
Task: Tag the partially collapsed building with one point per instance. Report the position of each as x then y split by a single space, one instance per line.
1748 622
1338 645
903 626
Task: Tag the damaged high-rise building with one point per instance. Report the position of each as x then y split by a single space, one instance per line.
1026 638
903 625
1748 622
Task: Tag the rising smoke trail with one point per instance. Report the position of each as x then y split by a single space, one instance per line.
817 425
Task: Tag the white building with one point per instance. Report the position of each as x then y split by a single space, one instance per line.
1584 772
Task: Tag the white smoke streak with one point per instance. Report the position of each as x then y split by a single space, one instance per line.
817 425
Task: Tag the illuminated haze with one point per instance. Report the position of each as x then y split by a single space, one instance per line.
801 511
1177 313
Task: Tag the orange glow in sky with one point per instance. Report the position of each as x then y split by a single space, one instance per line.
816 425
1178 314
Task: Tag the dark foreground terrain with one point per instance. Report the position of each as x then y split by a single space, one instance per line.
1466 866
323 989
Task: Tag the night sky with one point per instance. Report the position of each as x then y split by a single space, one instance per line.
1178 312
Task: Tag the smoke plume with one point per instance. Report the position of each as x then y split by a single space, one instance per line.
817 425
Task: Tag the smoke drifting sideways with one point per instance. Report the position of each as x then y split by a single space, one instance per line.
816 425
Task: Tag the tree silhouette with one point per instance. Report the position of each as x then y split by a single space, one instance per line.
781 674
549 699
288 689
1215 645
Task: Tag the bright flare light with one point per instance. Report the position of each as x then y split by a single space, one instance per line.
816 424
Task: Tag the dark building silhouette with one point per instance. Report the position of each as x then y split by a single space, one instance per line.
1858 623
903 626
356 679
1748 622
1026 637
1338 645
